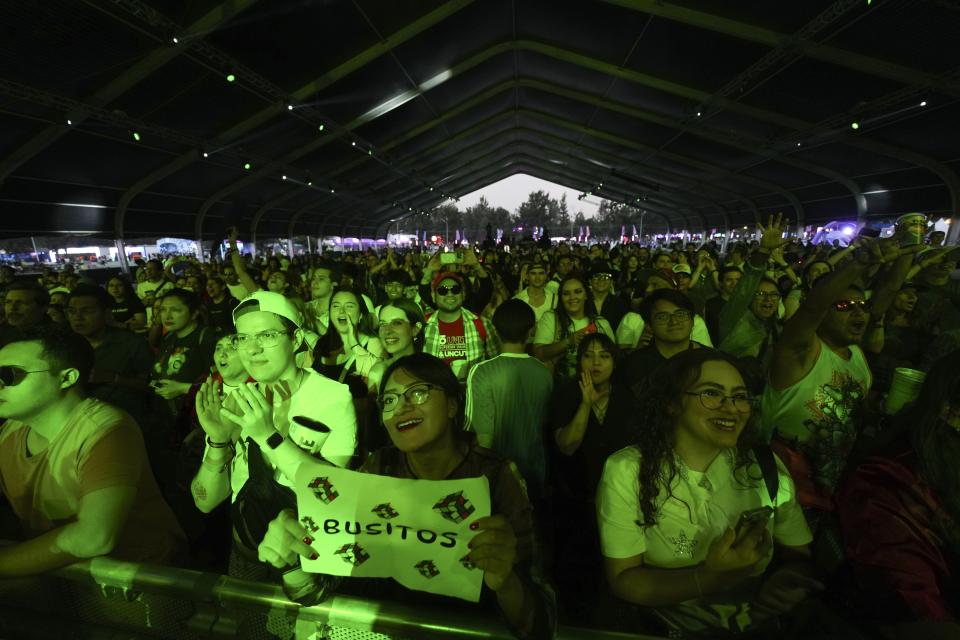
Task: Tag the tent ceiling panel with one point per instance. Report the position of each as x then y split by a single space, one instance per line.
458 93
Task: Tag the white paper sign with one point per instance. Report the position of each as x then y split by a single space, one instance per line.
414 531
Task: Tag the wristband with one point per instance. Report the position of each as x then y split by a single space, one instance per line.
218 445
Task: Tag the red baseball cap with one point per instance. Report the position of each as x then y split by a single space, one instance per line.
446 275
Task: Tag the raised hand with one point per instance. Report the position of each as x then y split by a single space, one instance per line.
589 392
256 412
773 232
208 403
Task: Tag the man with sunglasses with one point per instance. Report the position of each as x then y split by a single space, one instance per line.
819 376
453 333
74 469
258 436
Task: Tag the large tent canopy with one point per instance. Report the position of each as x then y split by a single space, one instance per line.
124 118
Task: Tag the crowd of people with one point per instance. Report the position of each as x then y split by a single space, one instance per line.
677 440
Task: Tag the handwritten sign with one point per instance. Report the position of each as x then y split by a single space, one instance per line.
414 531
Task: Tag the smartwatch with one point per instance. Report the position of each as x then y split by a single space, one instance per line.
275 440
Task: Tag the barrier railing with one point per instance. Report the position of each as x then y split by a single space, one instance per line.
182 604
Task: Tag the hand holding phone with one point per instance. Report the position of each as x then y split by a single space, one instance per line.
749 520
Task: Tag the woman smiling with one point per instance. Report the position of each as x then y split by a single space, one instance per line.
560 331
422 411
690 516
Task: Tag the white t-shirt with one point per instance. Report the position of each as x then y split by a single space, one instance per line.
547 328
701 507
631 327
549 302
145 287
318 398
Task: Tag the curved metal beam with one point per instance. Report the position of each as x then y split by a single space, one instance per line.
485 125
266 207
768 37
138 187
329 77
130 77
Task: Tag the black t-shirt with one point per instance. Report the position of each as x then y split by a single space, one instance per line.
123 311
125 355
220 315
712 309
579 474
185 359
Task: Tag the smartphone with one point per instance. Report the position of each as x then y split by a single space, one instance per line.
750 519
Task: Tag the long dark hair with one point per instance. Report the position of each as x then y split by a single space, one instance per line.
589 308
330 341
935 444
433 370
658 404
605 343
414 316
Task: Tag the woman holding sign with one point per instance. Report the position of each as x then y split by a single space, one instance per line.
691 516
422 410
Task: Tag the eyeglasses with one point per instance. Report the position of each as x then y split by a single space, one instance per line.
415 394
846 306
264 339
453 290
11 376
712 399
680 315
394 324
767 295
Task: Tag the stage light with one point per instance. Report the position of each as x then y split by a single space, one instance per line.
246 166
136 135
231 77
176 40
923 104
320 128
284 177
69 122
854 125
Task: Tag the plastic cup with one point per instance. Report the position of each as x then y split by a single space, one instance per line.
910 229
904 389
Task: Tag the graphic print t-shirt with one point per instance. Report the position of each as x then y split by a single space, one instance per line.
453 342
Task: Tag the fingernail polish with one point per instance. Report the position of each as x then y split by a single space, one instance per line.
473 526
308 540
314 555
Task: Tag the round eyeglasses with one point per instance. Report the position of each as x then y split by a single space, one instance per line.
713 399
416 394
264 339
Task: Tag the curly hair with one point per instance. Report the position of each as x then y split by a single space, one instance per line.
658 403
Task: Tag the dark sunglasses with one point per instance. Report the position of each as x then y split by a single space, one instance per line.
451 290
845 306
11 376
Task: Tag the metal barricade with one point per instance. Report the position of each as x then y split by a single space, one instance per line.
105 598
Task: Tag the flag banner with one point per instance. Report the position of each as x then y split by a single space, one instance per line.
414 531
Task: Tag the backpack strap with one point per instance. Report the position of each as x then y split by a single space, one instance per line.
480 327
768 467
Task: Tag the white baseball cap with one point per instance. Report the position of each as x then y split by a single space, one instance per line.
272 302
